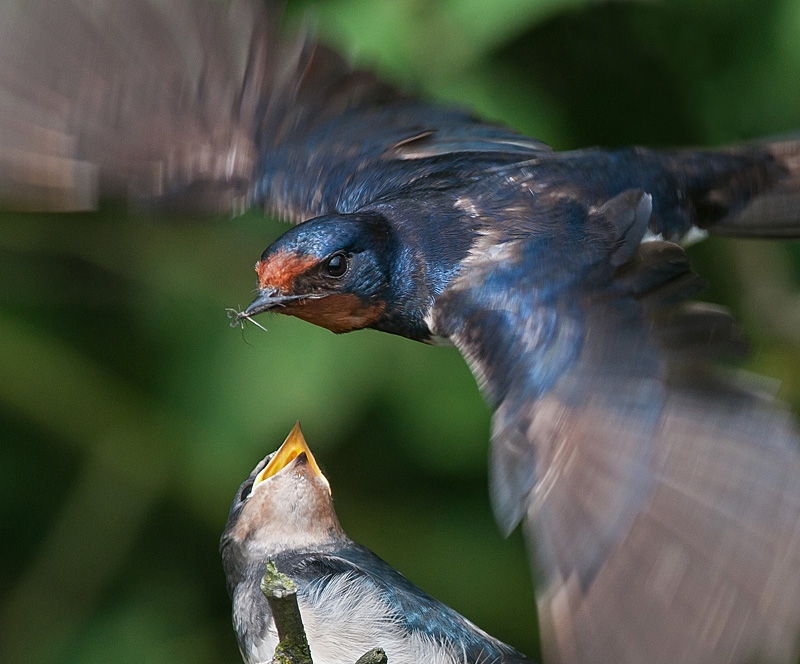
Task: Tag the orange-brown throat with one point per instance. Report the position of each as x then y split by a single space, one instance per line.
279 271
338 313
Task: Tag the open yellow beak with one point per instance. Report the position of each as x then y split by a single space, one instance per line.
292 447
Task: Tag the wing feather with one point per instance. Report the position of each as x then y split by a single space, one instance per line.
660 493
196 105
131 99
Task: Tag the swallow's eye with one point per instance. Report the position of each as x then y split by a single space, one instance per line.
246 489
336 265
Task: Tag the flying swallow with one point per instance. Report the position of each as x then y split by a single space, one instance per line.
660 492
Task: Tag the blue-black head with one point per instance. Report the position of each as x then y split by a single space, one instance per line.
333 271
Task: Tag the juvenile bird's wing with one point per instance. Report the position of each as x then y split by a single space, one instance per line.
195 104
358 572
660 494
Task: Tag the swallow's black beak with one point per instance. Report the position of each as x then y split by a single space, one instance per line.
267 300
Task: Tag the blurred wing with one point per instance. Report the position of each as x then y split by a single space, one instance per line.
196 104
134 99
661 495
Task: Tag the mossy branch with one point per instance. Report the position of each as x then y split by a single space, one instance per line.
374 656
281 593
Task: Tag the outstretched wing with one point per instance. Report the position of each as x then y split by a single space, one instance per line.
661 494
195 104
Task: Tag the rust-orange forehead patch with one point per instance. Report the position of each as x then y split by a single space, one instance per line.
280 270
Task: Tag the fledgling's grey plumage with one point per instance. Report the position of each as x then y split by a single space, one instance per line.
350 600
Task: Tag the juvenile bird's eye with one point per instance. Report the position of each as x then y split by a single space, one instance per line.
246 489
336 265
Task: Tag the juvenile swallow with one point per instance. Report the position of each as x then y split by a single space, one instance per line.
350 600
660 493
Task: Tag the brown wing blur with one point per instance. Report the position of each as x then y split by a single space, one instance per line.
161 103
137 100
196 105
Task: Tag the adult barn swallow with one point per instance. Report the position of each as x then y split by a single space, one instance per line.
350 600
660 493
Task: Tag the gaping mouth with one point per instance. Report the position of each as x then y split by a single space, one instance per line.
294 445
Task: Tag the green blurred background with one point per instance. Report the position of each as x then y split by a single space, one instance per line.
130 410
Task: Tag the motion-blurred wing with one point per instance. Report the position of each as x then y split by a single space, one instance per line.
134 99
196 104
660 494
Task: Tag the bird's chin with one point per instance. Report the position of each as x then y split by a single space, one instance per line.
339 313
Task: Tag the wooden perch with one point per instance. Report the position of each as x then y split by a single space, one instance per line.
281 593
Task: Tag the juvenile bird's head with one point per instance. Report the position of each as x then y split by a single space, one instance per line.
285 504
333 271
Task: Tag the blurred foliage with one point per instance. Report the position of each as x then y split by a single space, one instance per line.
131 411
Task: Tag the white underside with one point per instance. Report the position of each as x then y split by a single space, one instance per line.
344 620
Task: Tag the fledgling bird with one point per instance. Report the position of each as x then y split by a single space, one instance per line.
660 494
350 600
